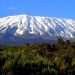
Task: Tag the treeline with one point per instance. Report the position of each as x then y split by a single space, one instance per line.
39 59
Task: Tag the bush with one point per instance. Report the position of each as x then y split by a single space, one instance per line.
38 59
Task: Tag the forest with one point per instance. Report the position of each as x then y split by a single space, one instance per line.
38 59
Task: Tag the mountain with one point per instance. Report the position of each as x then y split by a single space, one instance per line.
20 29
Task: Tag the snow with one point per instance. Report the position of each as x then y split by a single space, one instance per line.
20 29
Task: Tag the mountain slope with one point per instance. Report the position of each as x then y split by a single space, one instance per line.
20 29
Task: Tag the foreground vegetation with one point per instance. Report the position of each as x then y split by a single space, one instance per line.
38 59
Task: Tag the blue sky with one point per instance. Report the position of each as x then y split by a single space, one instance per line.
51 8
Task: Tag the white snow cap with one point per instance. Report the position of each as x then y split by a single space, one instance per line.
22 29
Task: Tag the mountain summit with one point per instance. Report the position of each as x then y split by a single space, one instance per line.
20 29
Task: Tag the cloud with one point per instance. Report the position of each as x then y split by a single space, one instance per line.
12 8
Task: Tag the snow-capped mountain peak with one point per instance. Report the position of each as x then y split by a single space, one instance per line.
22 29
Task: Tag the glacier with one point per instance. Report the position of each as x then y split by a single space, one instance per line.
21 29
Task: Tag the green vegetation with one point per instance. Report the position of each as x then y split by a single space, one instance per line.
39 59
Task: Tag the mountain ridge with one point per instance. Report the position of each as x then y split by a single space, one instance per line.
22 29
